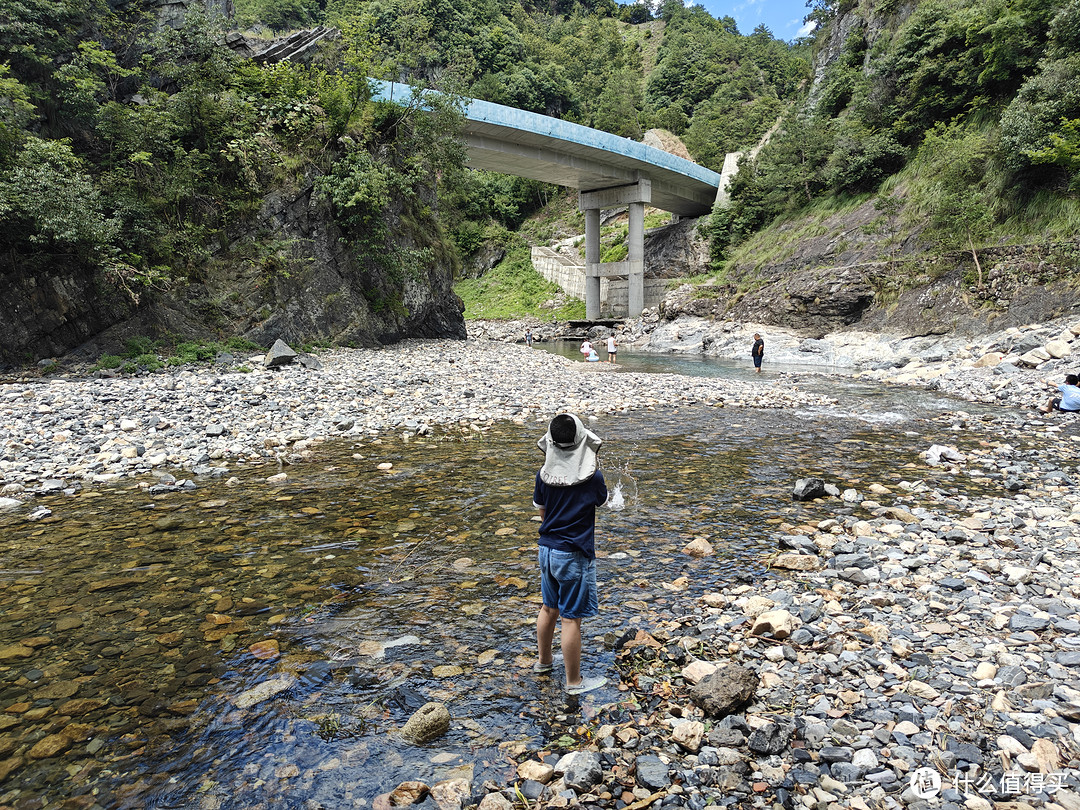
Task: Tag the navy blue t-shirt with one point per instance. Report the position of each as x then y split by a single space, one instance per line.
570 514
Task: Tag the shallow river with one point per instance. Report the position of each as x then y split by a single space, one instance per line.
138 633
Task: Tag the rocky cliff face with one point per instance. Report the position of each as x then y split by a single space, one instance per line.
865 18
171 13
288 275
855 270
44 311
675 250
309 288
318 289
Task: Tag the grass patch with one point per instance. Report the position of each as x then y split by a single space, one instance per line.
780 240
148 354
558 219
615 253
513 289
657 219
1047 217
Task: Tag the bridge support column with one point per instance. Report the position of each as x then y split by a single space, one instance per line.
635 196
635 240
592 259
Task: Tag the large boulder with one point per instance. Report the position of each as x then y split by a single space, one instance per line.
726 691
1057 348
280 354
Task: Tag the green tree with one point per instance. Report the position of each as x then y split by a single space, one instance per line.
862 158
1030 120
16 112
1063 151
957 162
48 198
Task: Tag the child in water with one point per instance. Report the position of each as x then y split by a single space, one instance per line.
567 490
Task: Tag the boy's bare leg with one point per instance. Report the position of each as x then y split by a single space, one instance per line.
545 632
571 650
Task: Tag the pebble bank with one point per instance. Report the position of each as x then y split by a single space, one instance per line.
58 433
920 648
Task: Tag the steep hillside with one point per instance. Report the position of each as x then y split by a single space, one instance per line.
154 181
927 182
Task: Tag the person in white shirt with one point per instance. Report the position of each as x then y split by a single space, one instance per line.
612 347
1069 401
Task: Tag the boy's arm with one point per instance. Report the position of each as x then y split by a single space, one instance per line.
538 496
601 489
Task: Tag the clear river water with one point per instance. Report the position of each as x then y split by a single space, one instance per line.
260 645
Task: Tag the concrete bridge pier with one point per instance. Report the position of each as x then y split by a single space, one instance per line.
635 241
635 196
592 259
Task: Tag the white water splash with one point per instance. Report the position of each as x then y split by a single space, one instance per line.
622 488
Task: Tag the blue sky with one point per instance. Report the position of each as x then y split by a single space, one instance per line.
784 17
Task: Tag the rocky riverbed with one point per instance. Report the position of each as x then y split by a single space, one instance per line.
921 649
165 427
1008 367
919 645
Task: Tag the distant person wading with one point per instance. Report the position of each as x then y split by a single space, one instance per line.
757 351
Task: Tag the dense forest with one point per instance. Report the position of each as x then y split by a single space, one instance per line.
141 152
962 116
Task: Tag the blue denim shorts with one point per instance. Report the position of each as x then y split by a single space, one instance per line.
568 582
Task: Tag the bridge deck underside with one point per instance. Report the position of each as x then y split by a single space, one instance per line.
527 144
582 166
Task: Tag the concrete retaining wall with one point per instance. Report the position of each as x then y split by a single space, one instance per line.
614 293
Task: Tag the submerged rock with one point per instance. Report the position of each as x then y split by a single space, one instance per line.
264 691
431 721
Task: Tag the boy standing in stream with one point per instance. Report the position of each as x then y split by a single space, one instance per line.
568 489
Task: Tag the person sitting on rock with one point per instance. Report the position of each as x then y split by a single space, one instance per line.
1069 401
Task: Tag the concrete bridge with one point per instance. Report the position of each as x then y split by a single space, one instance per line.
608 171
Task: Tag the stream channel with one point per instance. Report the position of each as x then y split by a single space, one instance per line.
259 645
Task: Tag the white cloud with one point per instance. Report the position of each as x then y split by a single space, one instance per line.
806 29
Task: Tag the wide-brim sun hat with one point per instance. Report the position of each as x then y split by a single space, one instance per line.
572 462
